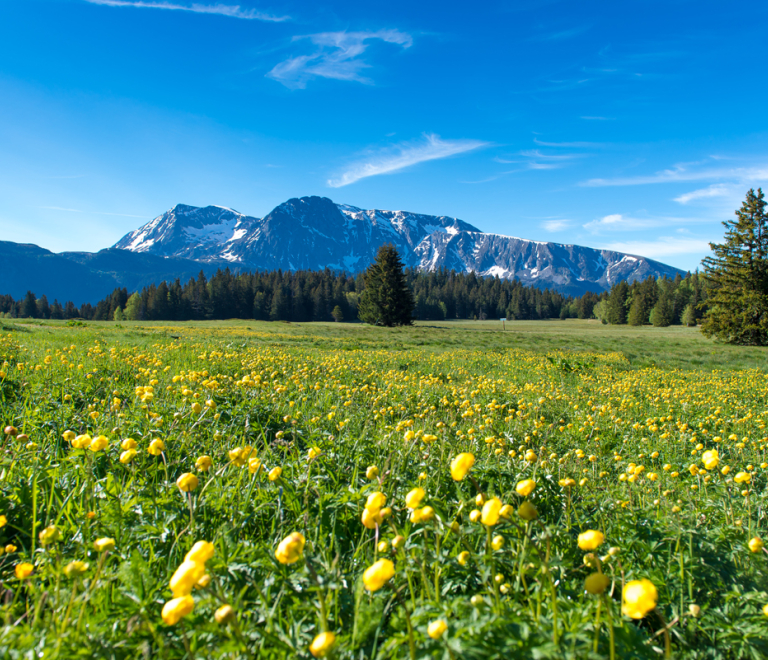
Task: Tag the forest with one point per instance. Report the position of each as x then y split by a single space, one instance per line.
326 295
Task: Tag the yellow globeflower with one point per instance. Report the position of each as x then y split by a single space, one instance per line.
23 570
371 518
527 511
375 501
75 568
490 514
204 463
275 473
436 629
372 472
175 610
591 539
525 487
156 447
765 609
322 644
378 574
127 456
711 459
640 597
463 558
98 443
291 548
224 614
755 544
82 441
186 577
187 482
254 465
597 583
743 478
201 552
314 453
461 465
497 543
413 498
104 544
3 521
128 443
50 534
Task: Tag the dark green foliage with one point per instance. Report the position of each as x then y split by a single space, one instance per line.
387 298
737 277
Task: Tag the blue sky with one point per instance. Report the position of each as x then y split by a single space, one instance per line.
633 125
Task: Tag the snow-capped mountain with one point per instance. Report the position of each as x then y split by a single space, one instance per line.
312 233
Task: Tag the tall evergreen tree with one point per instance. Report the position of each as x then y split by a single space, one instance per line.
387 298
737 277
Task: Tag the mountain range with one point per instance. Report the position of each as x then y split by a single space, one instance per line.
309 233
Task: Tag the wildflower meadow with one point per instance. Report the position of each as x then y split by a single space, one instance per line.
272 491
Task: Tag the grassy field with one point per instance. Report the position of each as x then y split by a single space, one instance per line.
560 489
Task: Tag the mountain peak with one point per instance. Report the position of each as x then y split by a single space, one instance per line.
313 233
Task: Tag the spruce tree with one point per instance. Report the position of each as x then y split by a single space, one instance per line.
737 277
387 299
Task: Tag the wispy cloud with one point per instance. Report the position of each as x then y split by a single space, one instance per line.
337 55
686 172
552 226
715 190
403 155
619 222
663 247
569 145
233 11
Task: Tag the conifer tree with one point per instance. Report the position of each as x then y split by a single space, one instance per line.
737 277
387 299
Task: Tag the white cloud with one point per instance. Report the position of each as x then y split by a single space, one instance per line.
619 222
665 246
233 11
715 190
403 155
555 225
337 56
685 172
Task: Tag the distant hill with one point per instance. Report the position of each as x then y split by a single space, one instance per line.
309 233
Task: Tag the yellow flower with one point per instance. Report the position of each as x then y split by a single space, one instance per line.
201 552
254 464
755 544
506 511
10 548
375 501
291 548
23 570
436 629
591 539
527 511
372 472
128 443
156 447
497 543
275 473
314 453
75 568
490 514
99 442
3 521
69 436
710 459
640 597
82 441
176 609
224 614
743 478
413 498
463 558
187 482
461 465
378 574
104 544
50 534
765 609
196 408
525 487
322 644
398 542
596 583
186 577
127 456
371 518
204 463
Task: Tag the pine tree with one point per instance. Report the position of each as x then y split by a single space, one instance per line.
387 299
737 277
